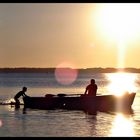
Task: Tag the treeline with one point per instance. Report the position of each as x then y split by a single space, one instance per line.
26 70
52 70
111 70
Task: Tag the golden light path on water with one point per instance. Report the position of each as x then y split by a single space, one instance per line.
121 82
122 126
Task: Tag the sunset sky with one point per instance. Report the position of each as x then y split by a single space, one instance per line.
79 34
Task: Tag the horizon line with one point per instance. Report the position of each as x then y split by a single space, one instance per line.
68 67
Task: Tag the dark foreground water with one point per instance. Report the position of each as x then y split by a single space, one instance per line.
63 123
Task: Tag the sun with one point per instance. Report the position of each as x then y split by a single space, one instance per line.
120 21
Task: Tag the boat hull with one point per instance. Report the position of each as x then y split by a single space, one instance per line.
85 103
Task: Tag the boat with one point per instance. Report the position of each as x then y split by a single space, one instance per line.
81 102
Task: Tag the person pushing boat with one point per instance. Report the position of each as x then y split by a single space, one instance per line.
20 93
91 89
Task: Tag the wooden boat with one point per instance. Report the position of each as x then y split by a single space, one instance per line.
82 102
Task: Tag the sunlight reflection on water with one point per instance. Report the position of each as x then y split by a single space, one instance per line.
121 83
122 126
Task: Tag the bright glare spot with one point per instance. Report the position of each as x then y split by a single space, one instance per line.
66 73
122 127
119 20
1 123
121 82
10 100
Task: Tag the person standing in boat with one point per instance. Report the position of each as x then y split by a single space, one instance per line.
91 89
20 93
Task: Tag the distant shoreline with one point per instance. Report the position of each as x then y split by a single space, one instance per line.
84 70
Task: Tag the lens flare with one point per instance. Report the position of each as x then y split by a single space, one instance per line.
66 73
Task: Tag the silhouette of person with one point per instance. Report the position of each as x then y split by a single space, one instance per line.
91 88
20 93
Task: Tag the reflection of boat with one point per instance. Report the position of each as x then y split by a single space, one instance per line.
82 102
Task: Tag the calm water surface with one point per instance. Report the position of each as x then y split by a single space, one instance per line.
63 123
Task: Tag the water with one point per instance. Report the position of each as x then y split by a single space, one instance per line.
63 123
